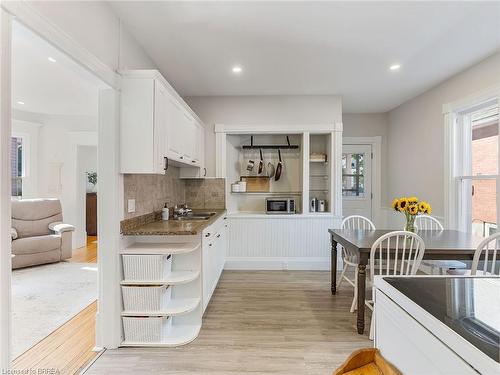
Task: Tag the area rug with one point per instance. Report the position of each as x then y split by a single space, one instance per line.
45 297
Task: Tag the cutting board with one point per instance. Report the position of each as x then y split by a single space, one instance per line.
257 183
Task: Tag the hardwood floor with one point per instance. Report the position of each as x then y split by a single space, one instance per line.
265 322
86 254
68 349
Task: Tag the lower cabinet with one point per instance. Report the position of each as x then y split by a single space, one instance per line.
409 346
213 257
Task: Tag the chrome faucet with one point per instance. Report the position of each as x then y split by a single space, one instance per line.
181 210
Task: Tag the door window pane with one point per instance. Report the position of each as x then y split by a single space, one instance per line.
353 184
16 165
484 207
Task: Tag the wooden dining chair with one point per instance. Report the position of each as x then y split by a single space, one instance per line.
427 222
490 248
408 249
350 259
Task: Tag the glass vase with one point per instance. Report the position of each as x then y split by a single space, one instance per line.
410 224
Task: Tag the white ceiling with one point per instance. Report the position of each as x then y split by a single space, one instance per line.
56 88
313 48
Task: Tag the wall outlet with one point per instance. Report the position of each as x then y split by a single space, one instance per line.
131 205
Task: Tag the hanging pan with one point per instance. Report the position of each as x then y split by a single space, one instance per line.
279 167
261 163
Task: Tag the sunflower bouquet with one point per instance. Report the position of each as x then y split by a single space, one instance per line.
410 208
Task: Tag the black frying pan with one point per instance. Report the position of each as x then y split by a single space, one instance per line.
261 162
279 167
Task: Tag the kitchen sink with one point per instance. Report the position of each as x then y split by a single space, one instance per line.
196 216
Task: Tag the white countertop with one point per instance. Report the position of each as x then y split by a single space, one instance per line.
249 215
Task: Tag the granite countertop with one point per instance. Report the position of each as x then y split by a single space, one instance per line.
173 227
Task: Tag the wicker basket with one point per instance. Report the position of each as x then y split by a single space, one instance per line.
146 267
146 298
147 329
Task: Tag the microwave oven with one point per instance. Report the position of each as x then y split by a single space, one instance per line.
280 205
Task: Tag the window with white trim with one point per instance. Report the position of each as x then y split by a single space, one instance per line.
477 178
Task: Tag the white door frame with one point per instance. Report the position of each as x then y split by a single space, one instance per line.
5 193
110 202
376 143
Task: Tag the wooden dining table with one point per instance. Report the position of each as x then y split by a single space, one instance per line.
439 245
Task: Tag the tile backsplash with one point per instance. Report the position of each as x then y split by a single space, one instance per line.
206 194
152 191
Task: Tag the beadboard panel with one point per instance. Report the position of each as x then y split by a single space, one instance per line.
301 242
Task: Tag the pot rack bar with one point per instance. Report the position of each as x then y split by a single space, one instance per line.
288 146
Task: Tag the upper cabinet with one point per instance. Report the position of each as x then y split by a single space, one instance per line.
158 129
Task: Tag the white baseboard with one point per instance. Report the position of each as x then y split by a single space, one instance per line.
277 263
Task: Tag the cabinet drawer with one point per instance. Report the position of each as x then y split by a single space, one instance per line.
411 347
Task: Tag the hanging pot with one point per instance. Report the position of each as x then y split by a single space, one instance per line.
270 170
261 163
279 167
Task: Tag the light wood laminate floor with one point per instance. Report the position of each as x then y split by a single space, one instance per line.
69 348
265 322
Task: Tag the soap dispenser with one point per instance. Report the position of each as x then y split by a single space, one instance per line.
165 212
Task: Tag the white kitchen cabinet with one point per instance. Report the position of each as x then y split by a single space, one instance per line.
198 157
158 129
143 120
434 339
213 257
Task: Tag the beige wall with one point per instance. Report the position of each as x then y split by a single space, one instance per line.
251 110
416 134
370 125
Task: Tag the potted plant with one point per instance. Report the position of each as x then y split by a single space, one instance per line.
91 182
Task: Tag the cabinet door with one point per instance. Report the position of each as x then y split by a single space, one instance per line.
160 126
173 133
206 272
188 131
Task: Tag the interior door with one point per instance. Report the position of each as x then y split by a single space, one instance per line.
357 180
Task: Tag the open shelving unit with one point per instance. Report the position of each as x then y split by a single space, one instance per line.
240 149
319 171
184 307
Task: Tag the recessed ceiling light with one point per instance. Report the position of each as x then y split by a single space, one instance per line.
51 59
20 103
237 69
395 67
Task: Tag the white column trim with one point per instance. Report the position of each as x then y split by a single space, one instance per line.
5 193
220 155
336 172
306 142
110 212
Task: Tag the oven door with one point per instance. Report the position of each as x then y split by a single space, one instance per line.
276 206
